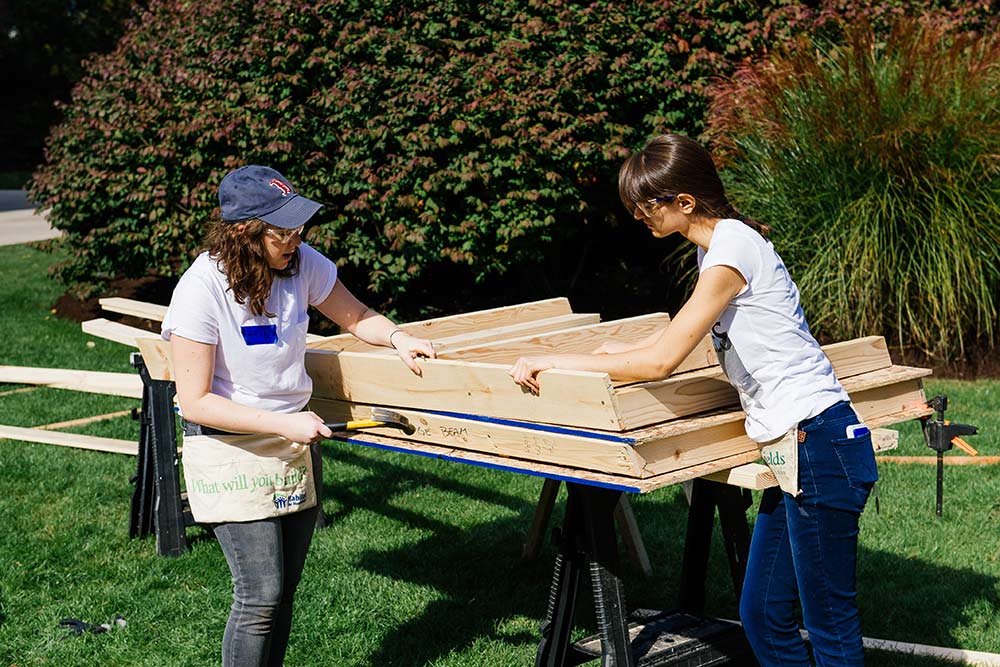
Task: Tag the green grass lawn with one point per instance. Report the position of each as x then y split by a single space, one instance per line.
420 562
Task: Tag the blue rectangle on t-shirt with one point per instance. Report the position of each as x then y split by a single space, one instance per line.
260 334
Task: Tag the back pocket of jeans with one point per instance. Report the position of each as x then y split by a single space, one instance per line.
857 458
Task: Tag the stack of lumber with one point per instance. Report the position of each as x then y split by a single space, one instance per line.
466 406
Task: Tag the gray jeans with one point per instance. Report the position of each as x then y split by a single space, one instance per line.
266 559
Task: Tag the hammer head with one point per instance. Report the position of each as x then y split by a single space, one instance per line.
394 420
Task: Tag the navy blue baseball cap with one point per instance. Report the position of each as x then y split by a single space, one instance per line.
254 191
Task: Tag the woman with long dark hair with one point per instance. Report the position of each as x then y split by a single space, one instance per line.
804 545
237 326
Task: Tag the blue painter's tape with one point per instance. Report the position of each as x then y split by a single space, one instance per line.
493 466
260 334
610 437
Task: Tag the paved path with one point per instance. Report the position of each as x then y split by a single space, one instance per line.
18 221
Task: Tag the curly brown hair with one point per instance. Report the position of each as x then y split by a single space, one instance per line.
243 258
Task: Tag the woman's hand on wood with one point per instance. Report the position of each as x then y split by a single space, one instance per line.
525 370
410 347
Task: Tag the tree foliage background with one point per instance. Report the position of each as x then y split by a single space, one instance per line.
43 44
466 152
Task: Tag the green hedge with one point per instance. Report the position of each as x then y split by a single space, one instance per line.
878 164
454 142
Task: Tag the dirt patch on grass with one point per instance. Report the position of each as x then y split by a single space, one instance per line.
151 289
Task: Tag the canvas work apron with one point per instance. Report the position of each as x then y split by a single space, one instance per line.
246 477
782 457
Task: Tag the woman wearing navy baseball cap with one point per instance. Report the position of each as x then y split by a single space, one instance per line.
237 325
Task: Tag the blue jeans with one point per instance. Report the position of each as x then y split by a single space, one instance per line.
804 549
266 559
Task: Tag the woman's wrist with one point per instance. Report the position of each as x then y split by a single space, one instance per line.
394 332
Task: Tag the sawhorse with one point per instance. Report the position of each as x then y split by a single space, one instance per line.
156 505
587 544
623 515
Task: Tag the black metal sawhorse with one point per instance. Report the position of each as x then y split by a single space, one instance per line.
156 505
588 546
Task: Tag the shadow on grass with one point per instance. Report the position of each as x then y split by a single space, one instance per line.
477 571
911 600
481 580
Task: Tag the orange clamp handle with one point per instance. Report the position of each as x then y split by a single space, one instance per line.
964 446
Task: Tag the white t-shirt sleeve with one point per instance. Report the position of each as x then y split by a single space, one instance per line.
729 248
319 272
193 311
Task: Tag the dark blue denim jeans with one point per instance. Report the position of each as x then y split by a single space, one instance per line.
266 559
804 550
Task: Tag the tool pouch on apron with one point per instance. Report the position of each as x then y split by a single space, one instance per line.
246 477
782 457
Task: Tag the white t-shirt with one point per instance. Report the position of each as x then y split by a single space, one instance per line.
259 360
762 338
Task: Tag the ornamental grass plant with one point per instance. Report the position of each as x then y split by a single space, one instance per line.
877 162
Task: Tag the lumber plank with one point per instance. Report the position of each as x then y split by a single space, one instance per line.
949 460
584 340
498 334
94 382
76 440
148 311
540 521
575 340
494 335
19 390
461 323
570 397
156 355
575 398
708 389
700 439
576 448
858 355
127 335
116 331
884 439
84 420
628 528
754 476
563 473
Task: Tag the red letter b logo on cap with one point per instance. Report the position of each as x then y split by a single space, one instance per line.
281 185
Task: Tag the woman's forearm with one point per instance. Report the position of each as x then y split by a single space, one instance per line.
221 413
375 329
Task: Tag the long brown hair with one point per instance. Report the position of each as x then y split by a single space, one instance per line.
243 258
670 164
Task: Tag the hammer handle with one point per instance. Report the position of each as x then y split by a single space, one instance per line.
353 425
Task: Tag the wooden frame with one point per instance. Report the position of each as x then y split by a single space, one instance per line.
581 422
642 453
569 398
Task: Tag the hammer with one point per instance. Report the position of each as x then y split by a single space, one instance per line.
380 417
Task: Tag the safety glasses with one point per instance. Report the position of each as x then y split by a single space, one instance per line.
646 207
283 235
